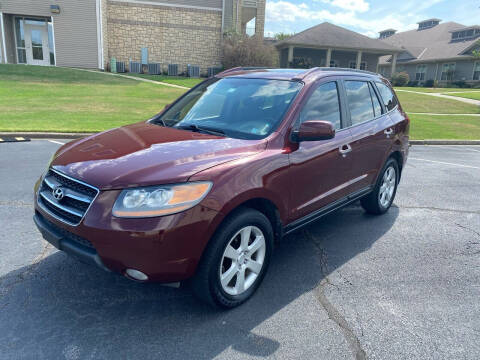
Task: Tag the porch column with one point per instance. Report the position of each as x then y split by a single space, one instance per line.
329 57
359 59
290 55
394 64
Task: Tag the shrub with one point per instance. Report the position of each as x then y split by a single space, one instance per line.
400 79
412 83
241 50
430 83
460 84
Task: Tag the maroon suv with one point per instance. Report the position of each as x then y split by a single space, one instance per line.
202 190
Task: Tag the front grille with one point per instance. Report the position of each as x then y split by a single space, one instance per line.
77 197
67 234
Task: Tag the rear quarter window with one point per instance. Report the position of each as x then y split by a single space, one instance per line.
388 97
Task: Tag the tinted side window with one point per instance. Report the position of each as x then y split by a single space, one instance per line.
324 105
377 108
387 95
359 101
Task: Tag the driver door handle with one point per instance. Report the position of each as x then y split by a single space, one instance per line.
388 132
345 149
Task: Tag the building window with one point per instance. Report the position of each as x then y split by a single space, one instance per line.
421 72
476 71
29 40
448 70
250 27
333 63
353 65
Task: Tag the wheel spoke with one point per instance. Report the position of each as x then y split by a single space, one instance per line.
230 252
228 275
240 283
256 267
257 244
245 237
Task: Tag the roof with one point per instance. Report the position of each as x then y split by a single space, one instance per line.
290 74
432 19
329 35
430 44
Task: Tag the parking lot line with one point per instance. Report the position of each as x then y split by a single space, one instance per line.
56 142
446 163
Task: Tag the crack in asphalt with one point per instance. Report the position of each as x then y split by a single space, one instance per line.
30 269
438 209
332 312
468 229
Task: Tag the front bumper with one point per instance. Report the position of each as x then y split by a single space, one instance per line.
167 249
62 241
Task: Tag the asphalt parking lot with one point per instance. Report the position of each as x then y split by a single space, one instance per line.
405 285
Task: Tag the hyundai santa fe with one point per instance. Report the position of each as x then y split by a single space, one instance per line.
199 193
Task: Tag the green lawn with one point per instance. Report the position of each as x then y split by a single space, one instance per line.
434 90
418 103
51 99
56 99
469 95
444 127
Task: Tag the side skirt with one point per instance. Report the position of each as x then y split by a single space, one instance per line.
317 214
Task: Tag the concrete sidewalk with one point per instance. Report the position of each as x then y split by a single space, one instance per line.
465 100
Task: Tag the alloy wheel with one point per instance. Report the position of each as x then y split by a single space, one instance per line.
387 188
242 260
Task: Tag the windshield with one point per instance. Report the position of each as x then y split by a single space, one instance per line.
235 107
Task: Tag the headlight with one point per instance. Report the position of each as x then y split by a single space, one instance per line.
159 200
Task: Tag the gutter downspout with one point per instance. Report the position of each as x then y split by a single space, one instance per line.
4 44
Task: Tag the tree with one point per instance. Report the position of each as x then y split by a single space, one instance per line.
282 36
242 50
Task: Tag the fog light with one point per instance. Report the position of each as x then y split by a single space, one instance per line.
137 275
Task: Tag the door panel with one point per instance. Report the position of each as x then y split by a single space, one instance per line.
36 43
320 174
370 146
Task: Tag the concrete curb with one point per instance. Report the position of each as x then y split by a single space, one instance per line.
444 142
38 135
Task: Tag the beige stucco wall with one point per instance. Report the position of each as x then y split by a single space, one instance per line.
172 34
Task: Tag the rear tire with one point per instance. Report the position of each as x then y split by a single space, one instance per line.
235 260
381 198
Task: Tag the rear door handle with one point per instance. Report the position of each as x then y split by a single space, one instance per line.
388 132
345 149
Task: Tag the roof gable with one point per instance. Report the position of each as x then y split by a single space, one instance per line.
329 35
430 44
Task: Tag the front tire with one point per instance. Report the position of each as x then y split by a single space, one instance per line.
381 198
236 260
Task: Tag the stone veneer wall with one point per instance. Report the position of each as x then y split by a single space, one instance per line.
172 35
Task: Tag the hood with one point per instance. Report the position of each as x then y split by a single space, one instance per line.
146 154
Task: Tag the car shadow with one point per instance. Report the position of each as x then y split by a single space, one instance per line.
60 307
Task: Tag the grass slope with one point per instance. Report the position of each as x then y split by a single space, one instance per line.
444 127
418 103
55 99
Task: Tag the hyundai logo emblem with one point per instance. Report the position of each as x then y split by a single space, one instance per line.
58 193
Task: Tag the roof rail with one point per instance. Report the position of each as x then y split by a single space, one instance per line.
315 69
242 68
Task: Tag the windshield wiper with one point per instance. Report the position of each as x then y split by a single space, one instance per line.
197 128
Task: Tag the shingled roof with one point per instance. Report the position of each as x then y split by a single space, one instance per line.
328 35
430 44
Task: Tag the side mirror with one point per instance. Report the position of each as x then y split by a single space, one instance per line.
314 130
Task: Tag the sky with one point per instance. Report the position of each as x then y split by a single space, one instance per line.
367 17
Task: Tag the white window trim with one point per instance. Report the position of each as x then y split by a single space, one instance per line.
101 58
425 69
449 66
475 63
53 40
4 46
